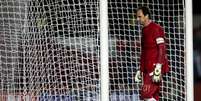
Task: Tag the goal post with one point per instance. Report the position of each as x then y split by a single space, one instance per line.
104 53
88 50
189 52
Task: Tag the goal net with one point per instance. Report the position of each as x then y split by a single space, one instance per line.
50 49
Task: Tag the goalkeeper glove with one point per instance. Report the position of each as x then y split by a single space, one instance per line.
157 73
138 77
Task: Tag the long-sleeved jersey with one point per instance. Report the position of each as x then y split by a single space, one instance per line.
153 49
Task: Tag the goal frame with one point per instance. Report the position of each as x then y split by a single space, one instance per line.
104 51
189 51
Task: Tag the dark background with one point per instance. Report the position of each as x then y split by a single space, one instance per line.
196 7
197 48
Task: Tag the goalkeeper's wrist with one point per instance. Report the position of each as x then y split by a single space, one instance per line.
158 65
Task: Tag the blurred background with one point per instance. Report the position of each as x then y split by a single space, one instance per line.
197 48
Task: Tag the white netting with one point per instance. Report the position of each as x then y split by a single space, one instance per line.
50 49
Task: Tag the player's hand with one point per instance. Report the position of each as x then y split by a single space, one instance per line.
157 76
138 77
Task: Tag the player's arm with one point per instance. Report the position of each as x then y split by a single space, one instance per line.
161 49
160 41
142 60
139 73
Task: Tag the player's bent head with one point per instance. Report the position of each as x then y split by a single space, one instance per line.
145 11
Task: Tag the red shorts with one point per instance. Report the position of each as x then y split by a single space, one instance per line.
149 88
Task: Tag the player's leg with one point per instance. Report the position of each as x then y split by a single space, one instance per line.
156 96
150 90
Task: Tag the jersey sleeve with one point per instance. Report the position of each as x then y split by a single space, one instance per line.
160 41
159 36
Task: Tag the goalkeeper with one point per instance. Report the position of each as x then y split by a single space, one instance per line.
153 60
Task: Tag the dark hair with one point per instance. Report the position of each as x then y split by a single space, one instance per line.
145 11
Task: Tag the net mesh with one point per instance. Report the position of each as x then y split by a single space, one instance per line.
50 49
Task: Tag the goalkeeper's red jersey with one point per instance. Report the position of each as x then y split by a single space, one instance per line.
150 49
